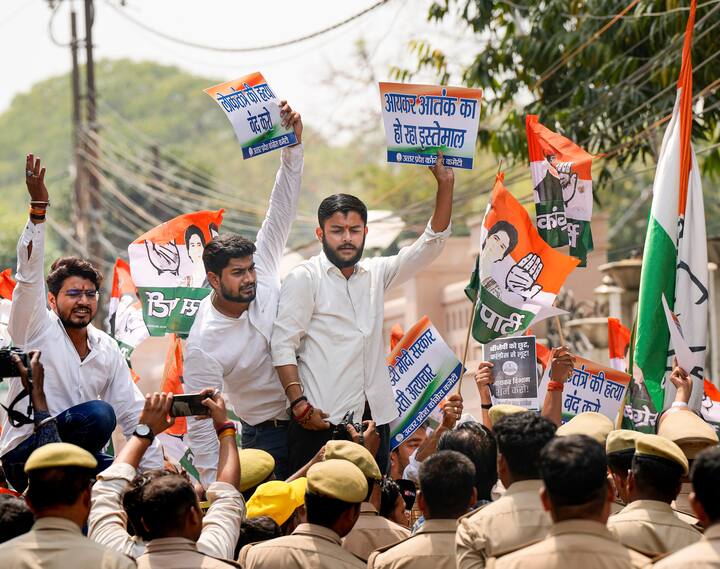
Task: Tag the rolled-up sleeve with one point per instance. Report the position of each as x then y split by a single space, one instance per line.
295 311
221 524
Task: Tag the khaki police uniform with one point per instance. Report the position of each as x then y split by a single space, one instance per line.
372 532
178 553
574 544
590 423
705 554
514 521
432 547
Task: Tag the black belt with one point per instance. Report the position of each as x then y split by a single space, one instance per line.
270 423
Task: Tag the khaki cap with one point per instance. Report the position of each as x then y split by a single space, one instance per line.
592 424
339 479
660 447
496 412
277 499
58 455
255 466
620 440
355 453
691 433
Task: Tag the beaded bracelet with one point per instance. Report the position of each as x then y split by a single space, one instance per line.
298 400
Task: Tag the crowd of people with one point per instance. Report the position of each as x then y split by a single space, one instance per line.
514 488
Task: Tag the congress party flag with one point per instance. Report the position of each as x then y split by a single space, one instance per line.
562 181
7 284
253 109
125 317
618 342
675 253
421 120
517 275
167 267
172 380
423 370
710 409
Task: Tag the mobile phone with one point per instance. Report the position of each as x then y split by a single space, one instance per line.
187 405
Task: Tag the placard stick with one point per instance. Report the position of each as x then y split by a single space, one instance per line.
560 331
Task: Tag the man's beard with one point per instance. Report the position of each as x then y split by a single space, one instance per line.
339 262
239 297
68 323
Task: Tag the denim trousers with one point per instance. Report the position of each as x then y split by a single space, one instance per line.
272 439
88 425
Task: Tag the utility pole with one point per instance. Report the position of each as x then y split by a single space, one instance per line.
81 204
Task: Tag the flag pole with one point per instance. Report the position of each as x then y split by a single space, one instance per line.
471 320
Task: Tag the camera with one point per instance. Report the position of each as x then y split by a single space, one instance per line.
7 365
340 432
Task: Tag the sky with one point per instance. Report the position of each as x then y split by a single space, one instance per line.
320 77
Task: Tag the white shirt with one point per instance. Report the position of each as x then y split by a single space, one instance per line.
233 354
103 374
331 328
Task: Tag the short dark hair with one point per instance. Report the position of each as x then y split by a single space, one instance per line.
49 487
66 267
253 530
508 228
133 498
619 462
574 470
165 501
219 251
325 511
704 475
15 517
443 499
389 494
344 203
476 442
657 478
189 232
520 438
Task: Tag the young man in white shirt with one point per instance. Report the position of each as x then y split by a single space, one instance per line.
327 342
88 385
229 344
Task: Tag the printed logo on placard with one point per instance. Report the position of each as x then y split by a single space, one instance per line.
510 367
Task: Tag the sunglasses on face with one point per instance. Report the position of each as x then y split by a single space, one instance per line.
76 294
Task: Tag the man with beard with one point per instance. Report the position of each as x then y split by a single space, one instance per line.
229 344
327 342
87 383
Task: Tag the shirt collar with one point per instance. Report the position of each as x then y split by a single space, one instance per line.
713 532
327 266
368 508
581 526
170 544
315 530
52 522
524 486
438 526
651 505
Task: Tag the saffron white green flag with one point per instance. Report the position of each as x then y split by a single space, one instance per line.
675 255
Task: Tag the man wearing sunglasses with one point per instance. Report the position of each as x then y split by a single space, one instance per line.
88 386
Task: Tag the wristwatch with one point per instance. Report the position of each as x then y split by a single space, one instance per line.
144 432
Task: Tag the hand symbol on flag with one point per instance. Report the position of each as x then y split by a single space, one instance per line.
522 276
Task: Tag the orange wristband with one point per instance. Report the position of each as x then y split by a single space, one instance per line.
555 386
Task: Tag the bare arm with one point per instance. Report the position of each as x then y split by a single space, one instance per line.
483 380
228 469
561 367
443 199
451 413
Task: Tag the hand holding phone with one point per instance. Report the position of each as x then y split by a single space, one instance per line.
190 404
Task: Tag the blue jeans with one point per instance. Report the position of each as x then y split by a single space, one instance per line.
271 439
88 425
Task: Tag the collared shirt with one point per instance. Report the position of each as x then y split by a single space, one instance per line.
705 554
58 543
107 523
652 527
103 374
331 328
372 531
233 354
179 553
515 520
432 547
308 546
574 543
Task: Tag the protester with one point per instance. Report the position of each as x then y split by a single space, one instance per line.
335 489
256 467
400 455
392 504
118 494
88 385
705 501
518 518
282 501
15 517
371 530
577 494
229 344
620 449
60 475
327 341
648 523
255 530
447 490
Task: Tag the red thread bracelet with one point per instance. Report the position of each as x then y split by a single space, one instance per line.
300 417
555 386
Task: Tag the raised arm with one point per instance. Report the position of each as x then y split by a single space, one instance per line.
282 209
561 367
28 314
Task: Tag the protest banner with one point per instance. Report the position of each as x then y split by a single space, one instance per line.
514 371
252 109
562 188
517 275
125 318
422 119
594 387
423 370
167 267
